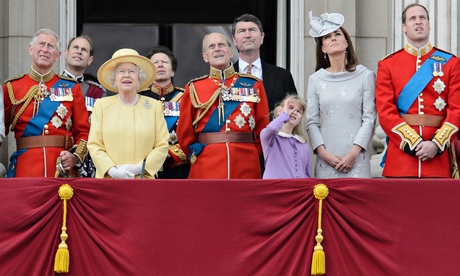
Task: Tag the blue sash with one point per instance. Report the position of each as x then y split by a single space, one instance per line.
419 81
171 120
35 125
34 128
213 123
230 106
416 84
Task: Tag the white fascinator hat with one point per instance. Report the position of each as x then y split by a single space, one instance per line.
325 24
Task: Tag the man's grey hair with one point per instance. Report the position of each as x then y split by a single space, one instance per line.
48 32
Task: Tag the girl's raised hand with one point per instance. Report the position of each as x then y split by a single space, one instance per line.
289 106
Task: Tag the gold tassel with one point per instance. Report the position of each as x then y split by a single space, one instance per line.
318 263
62 260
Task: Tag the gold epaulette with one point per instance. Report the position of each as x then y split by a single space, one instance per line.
443 135
248 76
179 88
96 84
67 78
15 78
390 55
408 135
199 78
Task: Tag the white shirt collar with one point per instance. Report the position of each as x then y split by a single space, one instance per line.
287 135
256 67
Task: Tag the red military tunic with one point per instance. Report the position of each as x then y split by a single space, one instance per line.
440 97
69 119
231 160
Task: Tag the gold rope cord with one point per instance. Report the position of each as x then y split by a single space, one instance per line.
202 107
318 263
26 100
62 258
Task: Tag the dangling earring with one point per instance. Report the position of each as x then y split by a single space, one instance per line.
325 56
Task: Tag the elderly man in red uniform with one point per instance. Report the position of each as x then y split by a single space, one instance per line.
47 113
418 102
222 115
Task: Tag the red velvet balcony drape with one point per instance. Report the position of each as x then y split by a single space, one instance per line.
245 227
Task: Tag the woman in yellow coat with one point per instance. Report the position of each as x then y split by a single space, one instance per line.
128 136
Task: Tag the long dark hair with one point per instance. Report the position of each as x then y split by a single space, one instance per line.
352 59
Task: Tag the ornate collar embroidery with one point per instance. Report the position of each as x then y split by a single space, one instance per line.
227 73
39 77
161 91
418 51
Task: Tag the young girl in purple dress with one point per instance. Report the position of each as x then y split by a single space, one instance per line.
284 141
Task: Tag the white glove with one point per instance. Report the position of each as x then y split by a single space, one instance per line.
134 169
115 172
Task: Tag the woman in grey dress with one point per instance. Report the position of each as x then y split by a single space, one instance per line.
341 103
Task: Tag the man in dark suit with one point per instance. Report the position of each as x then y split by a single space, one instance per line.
248 36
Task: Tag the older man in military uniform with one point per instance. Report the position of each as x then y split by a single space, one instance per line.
222 115
418 102
47 114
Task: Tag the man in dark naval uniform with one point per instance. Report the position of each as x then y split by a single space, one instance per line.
78 56
176 164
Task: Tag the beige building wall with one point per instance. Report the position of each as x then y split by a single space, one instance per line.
374 25
19 20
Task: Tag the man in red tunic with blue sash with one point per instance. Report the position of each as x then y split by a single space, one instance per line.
47 113
222 115
418 102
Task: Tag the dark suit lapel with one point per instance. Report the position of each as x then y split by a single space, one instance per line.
236 66
269 77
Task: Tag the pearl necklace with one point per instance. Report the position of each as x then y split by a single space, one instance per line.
133 103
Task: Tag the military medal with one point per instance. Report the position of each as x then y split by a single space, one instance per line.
39 96
89 103
225 90
166 109
435 69
439 86
243 94
441 73
440 104
171 108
